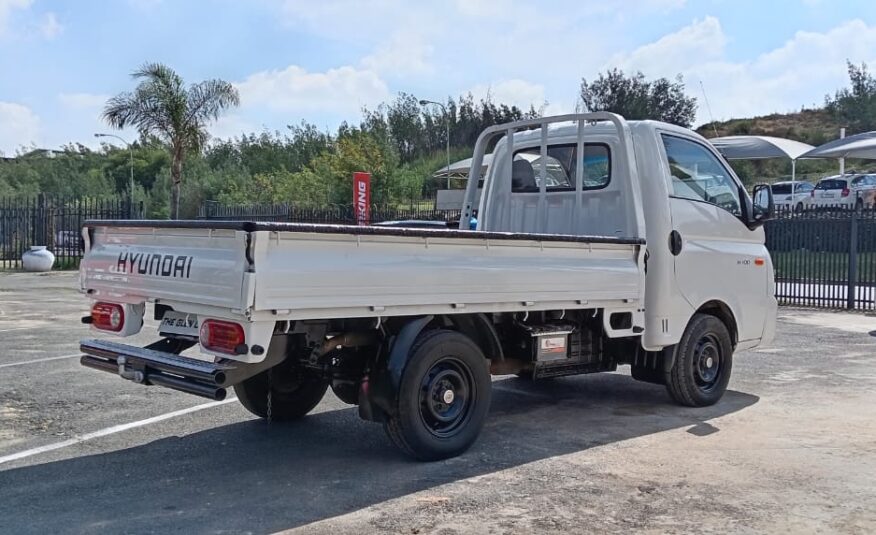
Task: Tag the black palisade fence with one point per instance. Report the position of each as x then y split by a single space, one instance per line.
825 258
55 222
330 214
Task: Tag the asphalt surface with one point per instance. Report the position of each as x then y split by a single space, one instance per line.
790 449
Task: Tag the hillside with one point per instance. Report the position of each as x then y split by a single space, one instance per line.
809 126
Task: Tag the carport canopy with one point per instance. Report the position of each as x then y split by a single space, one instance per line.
762 148
759 147
861 146
460 169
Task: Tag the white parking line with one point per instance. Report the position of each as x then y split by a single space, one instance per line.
110 431
17 329
34 361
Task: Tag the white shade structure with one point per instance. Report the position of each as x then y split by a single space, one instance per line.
858 146
761 148
460 169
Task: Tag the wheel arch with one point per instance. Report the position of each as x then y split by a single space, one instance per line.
723 312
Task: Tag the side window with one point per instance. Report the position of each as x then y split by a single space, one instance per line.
561 168
698 175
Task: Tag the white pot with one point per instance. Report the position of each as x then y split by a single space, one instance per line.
38 259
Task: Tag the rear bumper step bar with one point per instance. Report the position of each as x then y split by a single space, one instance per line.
149 366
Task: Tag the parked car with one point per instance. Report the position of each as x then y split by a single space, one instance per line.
798 200
844 191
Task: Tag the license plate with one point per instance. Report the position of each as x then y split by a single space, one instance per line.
827 195
179 323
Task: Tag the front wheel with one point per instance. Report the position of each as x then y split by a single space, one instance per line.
293 393
703 360
443 397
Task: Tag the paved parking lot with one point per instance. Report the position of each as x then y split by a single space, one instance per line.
791 448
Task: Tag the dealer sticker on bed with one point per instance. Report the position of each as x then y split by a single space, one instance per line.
179 323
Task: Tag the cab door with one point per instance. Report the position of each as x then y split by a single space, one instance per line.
717 257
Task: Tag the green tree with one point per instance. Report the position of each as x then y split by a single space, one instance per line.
634 97
856 105
162 106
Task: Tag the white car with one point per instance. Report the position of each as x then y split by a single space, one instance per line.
797 200
844 191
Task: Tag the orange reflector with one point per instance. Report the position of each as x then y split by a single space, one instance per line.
759 261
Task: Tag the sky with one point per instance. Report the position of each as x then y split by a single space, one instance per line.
322 61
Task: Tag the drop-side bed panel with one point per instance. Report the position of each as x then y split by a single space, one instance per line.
316 274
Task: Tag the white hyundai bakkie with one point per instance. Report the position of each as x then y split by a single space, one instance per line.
599 243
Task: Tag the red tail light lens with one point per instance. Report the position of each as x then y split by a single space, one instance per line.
108 317
812 194
223 337
846 192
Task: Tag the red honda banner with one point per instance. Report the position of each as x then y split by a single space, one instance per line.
362 197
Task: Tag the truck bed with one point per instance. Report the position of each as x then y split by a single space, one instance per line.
307 271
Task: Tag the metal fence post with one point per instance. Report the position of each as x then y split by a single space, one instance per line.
851 291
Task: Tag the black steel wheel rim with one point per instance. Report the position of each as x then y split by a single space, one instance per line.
708 362
447 395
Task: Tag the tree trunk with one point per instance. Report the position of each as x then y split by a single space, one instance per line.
176 179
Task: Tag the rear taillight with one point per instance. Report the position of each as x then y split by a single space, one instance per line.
812 194
108 317
223 337
846 192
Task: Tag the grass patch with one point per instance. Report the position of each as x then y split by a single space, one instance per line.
822 266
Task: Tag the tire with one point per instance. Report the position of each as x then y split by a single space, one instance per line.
799 208
429 424
294 393
703 362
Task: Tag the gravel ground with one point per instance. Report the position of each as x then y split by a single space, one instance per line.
790 449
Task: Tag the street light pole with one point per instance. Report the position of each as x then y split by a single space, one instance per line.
447 123
131 181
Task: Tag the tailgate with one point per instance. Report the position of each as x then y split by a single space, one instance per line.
193 265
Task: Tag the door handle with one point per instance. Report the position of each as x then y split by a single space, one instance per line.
675 243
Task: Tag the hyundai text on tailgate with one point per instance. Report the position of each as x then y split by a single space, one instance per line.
599 243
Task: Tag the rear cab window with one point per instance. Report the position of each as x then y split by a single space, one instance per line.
560 165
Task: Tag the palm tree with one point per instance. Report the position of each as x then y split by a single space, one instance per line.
164 107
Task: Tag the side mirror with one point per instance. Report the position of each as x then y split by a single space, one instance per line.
763 207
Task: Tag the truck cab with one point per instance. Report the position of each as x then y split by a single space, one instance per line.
599 243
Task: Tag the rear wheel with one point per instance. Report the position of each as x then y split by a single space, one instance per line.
703 361
799 207
443 397
294 392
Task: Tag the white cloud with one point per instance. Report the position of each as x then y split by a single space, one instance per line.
404 54
700 42
83 101
50 27
19 127
518 92
6 9
798 73
233 125
293 89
